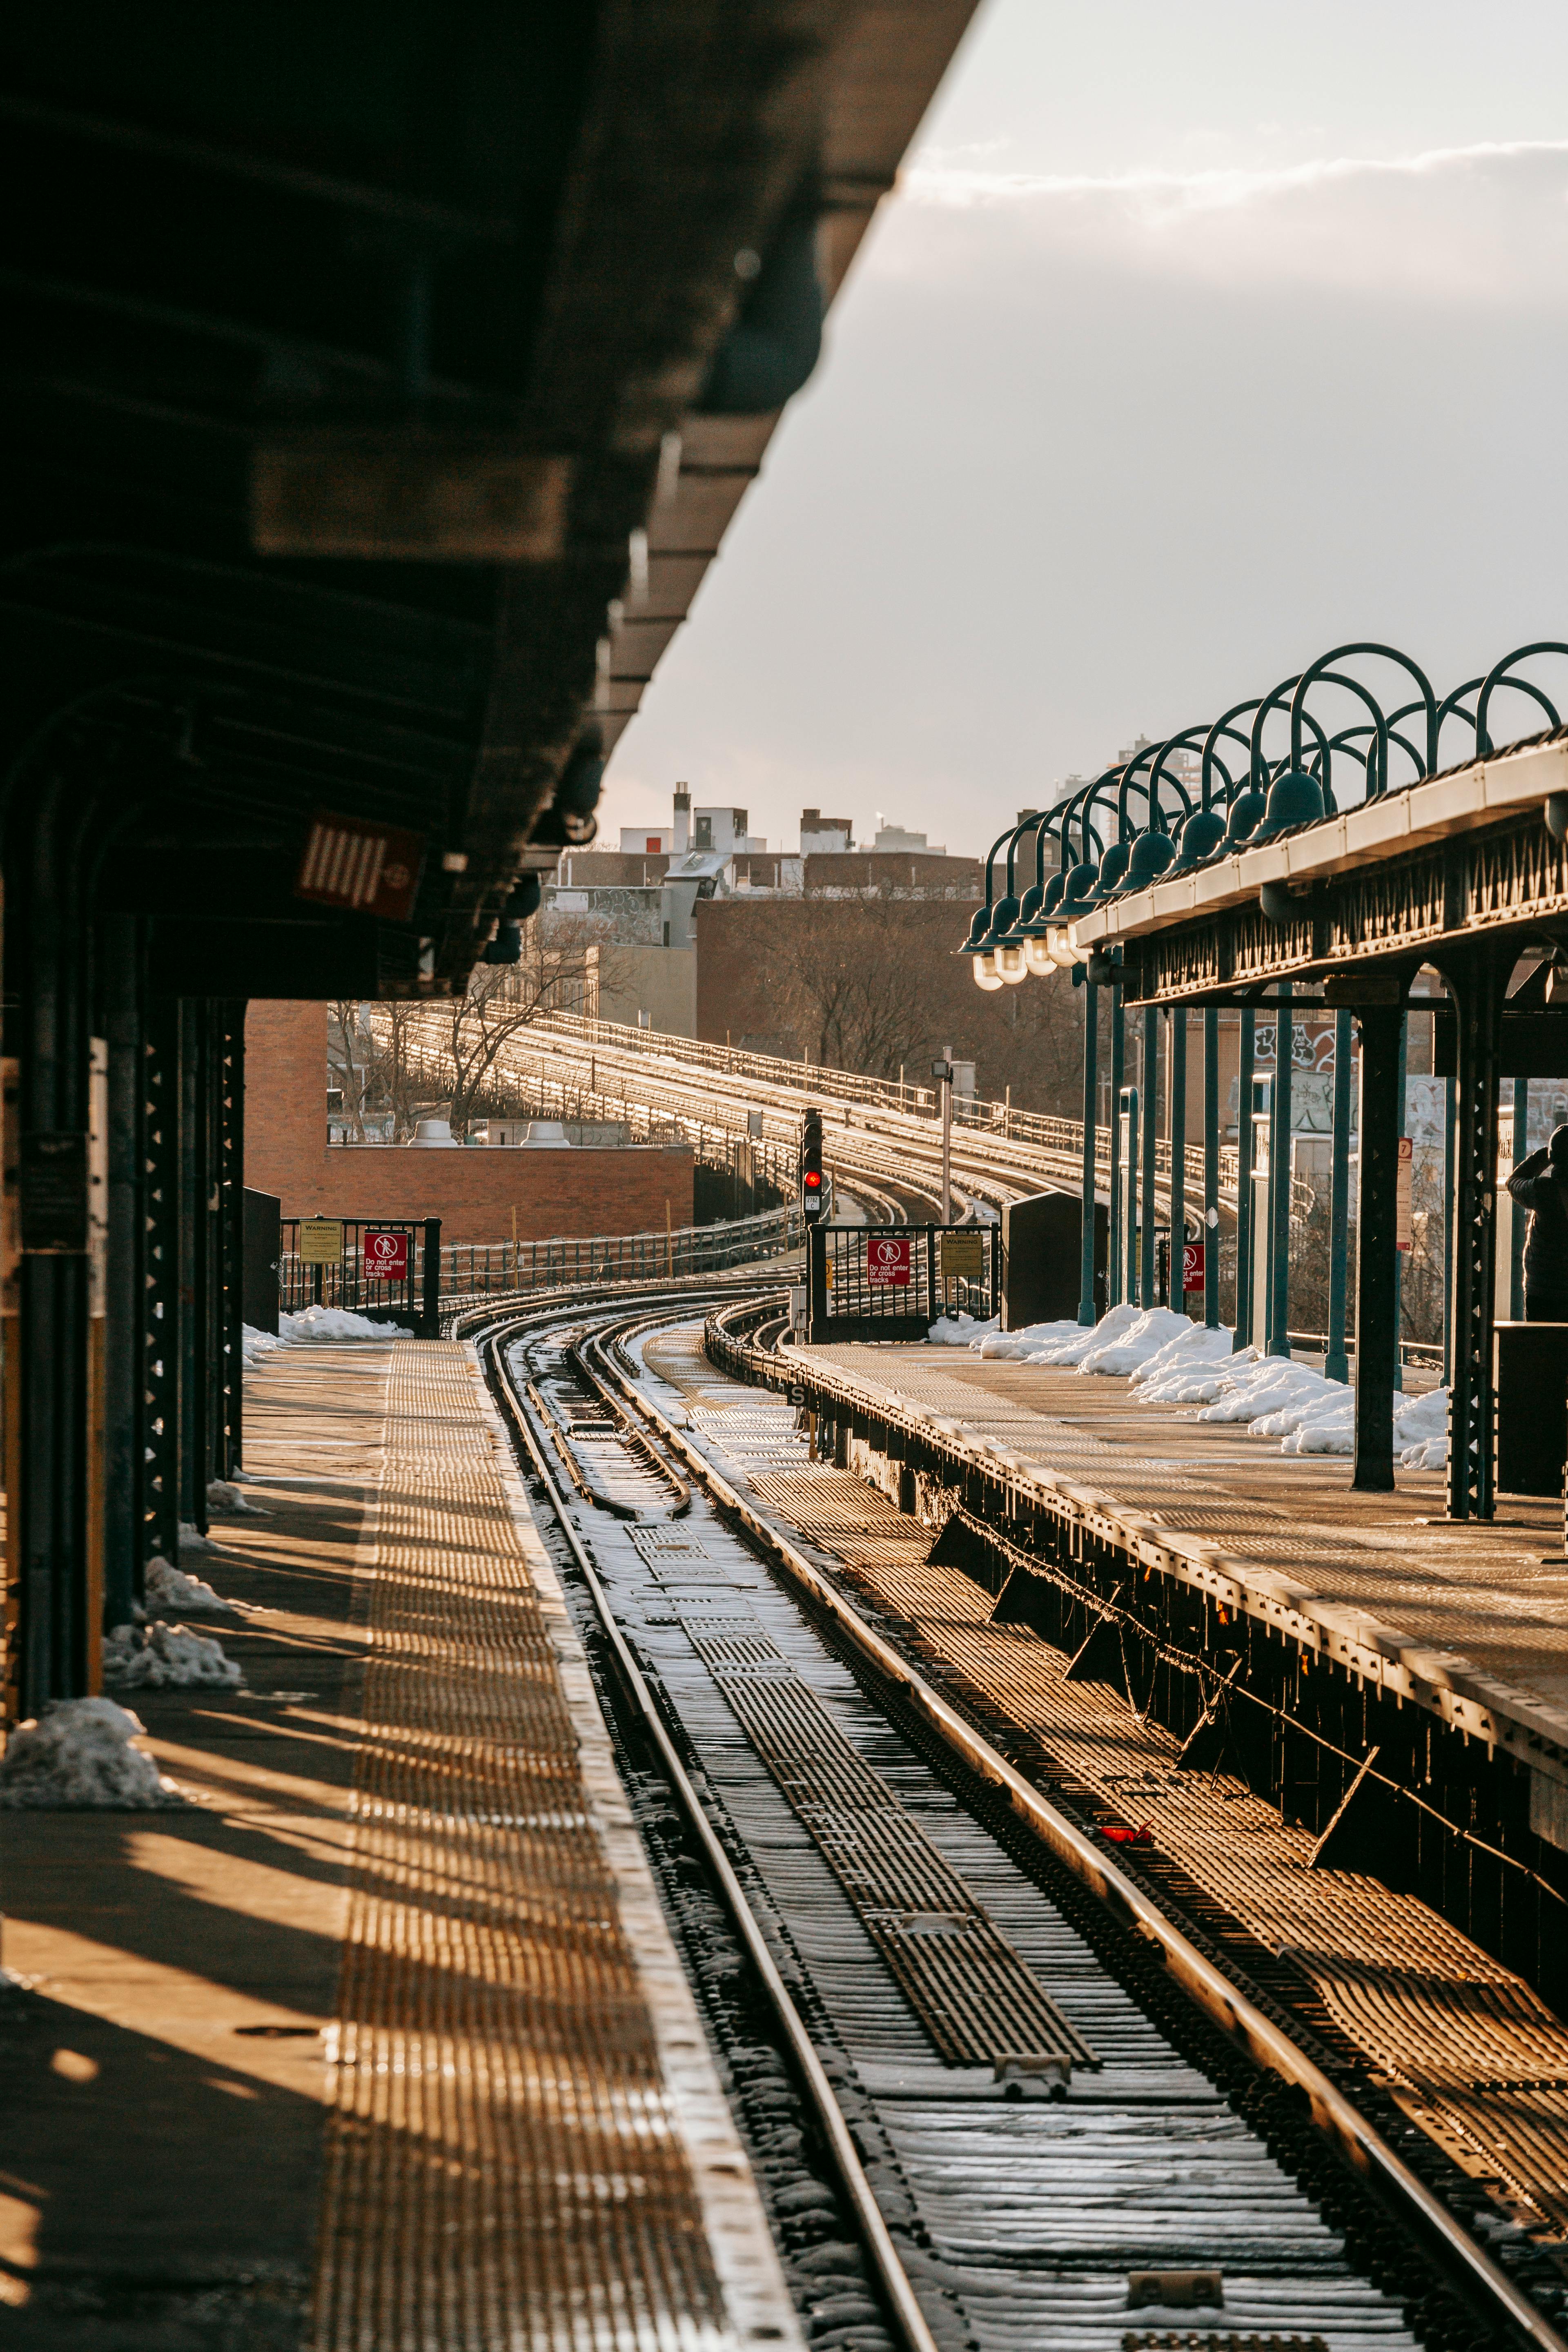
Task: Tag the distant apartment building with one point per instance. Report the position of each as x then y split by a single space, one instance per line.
822 834
639 903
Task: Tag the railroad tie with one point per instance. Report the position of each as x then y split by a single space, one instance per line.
976 1998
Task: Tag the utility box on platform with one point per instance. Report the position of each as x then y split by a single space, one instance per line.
1530 1370
1042 1260
263 1248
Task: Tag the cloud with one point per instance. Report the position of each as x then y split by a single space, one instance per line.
1484 223
1095 454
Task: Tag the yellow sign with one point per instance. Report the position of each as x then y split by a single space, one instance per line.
320 1240
961 1258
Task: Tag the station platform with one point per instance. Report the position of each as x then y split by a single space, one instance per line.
376 2034
1469 1620
1473 1618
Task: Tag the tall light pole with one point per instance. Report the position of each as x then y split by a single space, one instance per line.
942 1073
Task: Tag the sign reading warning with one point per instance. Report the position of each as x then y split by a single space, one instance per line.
961 1257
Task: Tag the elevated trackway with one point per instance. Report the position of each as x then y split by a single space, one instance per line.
876 1134
1057 2097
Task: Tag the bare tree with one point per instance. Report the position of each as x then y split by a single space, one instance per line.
851 975
868 980
558 964
350 1058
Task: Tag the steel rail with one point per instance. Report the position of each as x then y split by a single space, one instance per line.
1213 1991
995 1164
903 2304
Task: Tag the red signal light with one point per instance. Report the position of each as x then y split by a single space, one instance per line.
813 1180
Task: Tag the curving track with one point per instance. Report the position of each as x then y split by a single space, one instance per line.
873 1148
977 2094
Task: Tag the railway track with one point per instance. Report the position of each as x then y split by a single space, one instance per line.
993 2095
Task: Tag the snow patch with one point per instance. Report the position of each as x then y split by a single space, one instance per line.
152 1657
170 1588
255 1344
77 1757
959 1330
1421 1428
1185 1370
224 1496
193 1541
337 1323
1137 1343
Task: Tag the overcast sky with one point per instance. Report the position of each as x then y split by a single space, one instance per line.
1201 335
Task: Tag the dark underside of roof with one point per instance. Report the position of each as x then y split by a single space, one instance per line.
343 343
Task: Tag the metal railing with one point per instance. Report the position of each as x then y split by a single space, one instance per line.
658 1108
437 1273
820 1081
481 1269
891 1282
714 1136
408 1298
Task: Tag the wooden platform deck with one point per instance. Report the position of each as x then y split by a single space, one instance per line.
379 2037
1470 1621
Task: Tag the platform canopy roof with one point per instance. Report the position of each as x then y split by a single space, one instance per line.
1475 853
379 382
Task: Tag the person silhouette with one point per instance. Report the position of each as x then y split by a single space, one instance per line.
1540 1184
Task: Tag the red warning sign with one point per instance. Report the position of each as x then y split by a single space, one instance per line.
888 1259
1193 1266
385 1256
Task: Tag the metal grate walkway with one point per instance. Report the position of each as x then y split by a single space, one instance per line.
527 2144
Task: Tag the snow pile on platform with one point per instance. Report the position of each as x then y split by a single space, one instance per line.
1169 1359
1421 1428
77 1756
1026 1346
959 1330
337 1323
225 1498
1186 1370
1138 1344
1311 1414
193 1541
255 1344
159 1656
1066 1342
170 1588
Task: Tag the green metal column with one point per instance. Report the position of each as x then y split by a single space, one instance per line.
1176 1071
1211 1168
1244 1184
1086 1314
1476 981
1150 1154
1113 1291
1336 1363
1127 1123
1277 1260
1377 1267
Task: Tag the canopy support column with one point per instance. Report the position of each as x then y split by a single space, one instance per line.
1377 1303
1211 1168
1243 1185
1118 1073
1475 983
1336 1366
1150 1107
1086 1314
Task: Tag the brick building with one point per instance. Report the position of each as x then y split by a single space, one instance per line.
574 1192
